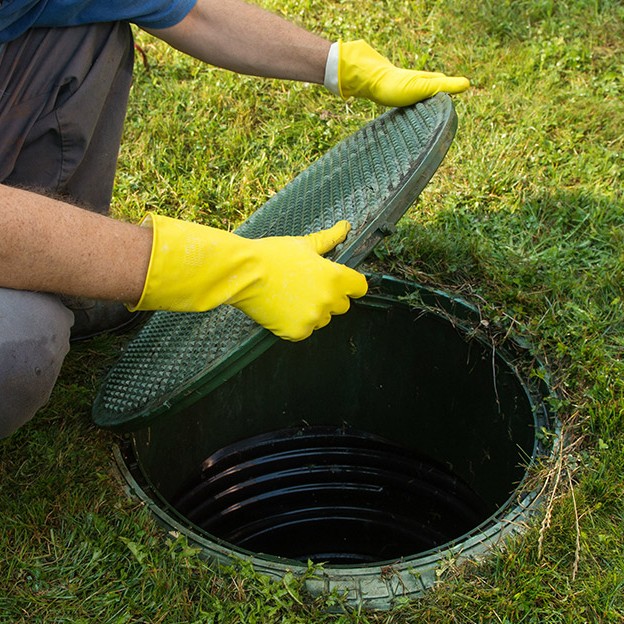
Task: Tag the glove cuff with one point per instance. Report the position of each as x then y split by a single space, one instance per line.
332 82
144 301
191 266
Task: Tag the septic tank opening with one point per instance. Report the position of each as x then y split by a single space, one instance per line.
330 495
397 436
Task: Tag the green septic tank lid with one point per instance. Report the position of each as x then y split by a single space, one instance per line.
370 179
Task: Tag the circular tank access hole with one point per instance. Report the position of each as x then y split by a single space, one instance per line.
393 439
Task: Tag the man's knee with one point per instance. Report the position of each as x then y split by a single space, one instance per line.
34 339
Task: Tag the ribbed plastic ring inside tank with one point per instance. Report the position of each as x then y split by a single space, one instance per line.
327 494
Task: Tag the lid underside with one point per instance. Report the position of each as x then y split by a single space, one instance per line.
370 179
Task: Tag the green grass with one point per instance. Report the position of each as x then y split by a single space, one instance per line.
524 218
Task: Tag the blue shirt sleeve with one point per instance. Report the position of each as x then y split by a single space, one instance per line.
17 16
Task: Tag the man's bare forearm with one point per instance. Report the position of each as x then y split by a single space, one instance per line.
50 246
247 39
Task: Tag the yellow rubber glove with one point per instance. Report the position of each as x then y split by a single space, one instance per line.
363 72
283 283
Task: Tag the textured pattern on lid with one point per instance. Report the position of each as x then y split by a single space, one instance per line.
370 178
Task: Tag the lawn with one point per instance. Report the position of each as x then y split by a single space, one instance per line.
524 219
